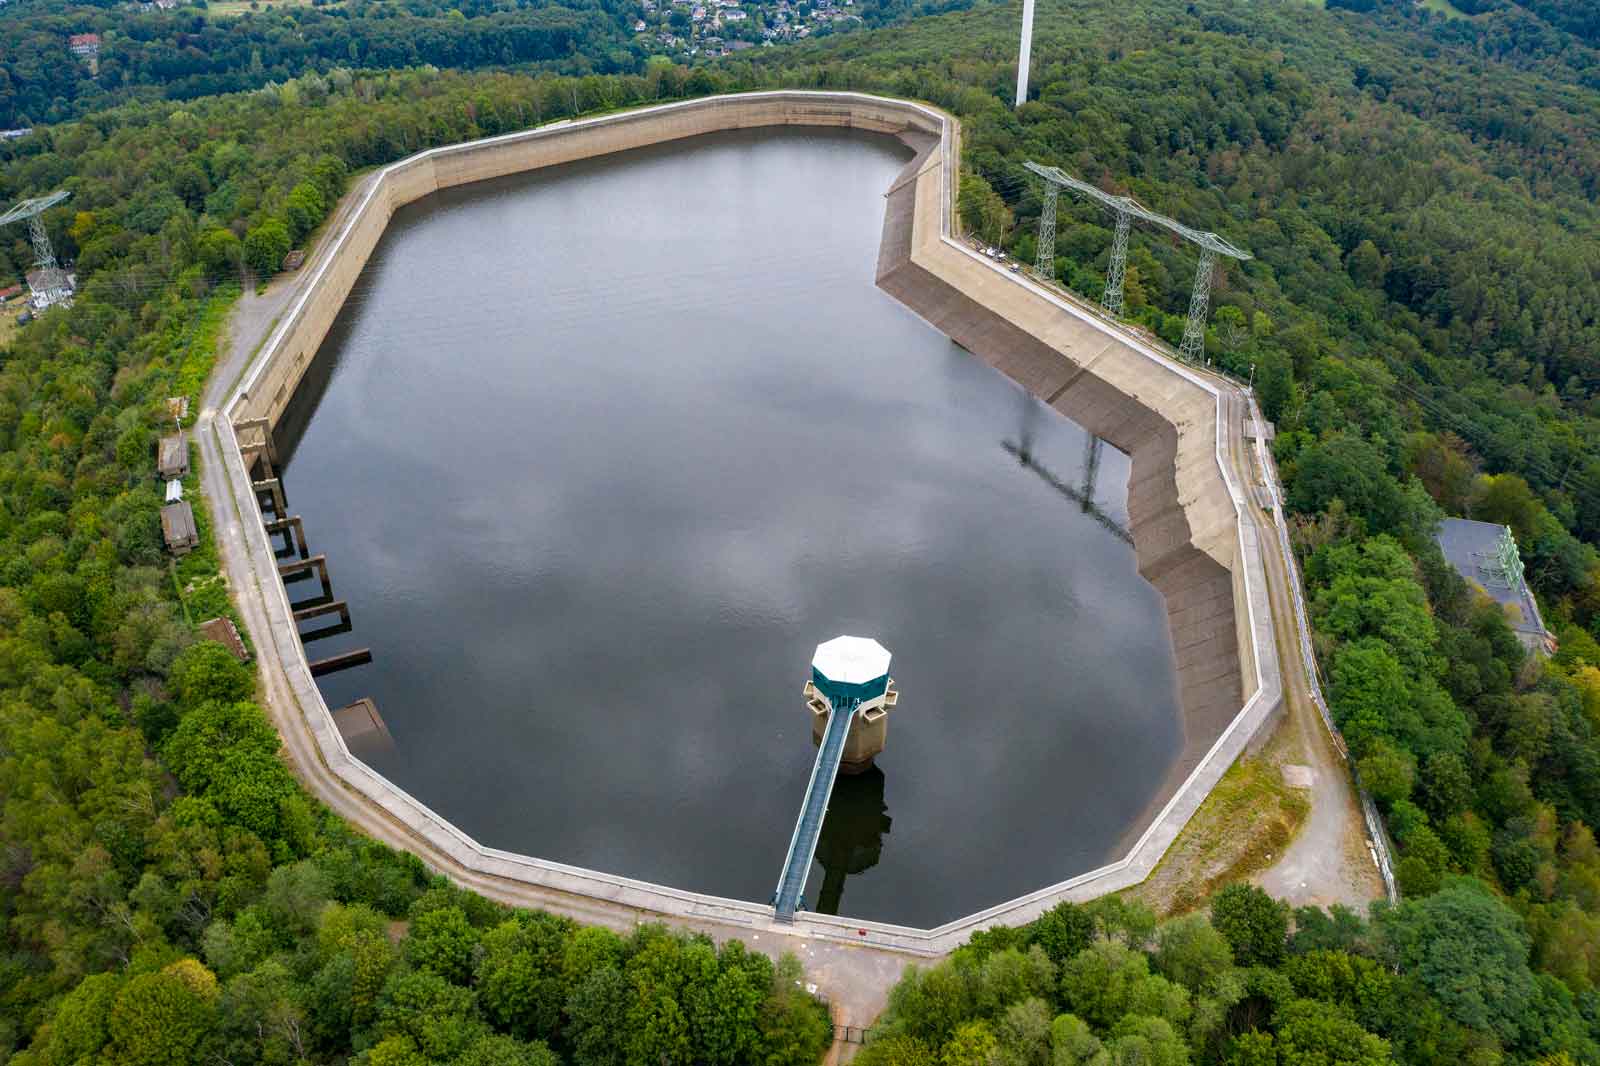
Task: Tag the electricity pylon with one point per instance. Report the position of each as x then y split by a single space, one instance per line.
52 279
1127 209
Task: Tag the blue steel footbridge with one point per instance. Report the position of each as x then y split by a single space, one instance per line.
850 676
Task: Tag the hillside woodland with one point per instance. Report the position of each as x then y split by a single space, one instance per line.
1441 978
186 53
196 50
1419 320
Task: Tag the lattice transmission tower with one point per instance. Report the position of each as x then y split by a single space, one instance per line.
1126 208
1045 256
1118 267
52 287
1193 346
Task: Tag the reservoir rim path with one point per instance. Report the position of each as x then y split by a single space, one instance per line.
862 958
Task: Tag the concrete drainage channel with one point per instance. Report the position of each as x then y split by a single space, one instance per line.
1198 538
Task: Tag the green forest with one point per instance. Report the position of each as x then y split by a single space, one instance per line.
1420 320
189 52
1442 978
183 53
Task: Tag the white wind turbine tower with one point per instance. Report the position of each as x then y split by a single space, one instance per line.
1025 53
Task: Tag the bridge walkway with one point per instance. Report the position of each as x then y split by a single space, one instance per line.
803 845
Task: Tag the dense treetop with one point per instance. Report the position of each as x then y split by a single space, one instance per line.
183 53
189 51
1443 979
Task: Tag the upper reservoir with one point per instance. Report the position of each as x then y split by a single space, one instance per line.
599 454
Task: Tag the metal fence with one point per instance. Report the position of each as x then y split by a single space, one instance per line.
851 1034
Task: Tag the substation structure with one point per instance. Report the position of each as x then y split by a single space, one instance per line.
1126 208
1194 519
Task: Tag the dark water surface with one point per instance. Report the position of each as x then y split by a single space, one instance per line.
598 455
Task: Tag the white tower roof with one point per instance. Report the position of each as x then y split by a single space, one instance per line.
851 660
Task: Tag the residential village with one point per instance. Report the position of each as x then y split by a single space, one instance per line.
711 28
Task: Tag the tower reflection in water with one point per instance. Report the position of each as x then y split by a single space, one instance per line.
852 834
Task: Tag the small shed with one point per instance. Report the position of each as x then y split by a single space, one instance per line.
173 457
294 259
224 632
174 491
177 526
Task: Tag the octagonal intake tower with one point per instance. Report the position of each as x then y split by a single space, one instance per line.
835 661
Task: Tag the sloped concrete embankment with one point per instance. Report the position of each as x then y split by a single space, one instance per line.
1180 510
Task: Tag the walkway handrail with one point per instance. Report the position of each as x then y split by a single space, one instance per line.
808 827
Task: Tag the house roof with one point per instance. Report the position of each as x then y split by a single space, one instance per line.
172 457
177 524
224 632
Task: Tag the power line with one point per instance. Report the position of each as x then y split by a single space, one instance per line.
1475 434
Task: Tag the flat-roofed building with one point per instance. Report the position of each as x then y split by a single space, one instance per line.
178 528
1486 555
172 457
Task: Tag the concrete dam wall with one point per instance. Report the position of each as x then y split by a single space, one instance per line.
1180 512
1195 539
270 385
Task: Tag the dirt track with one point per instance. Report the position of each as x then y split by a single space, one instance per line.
1328 861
